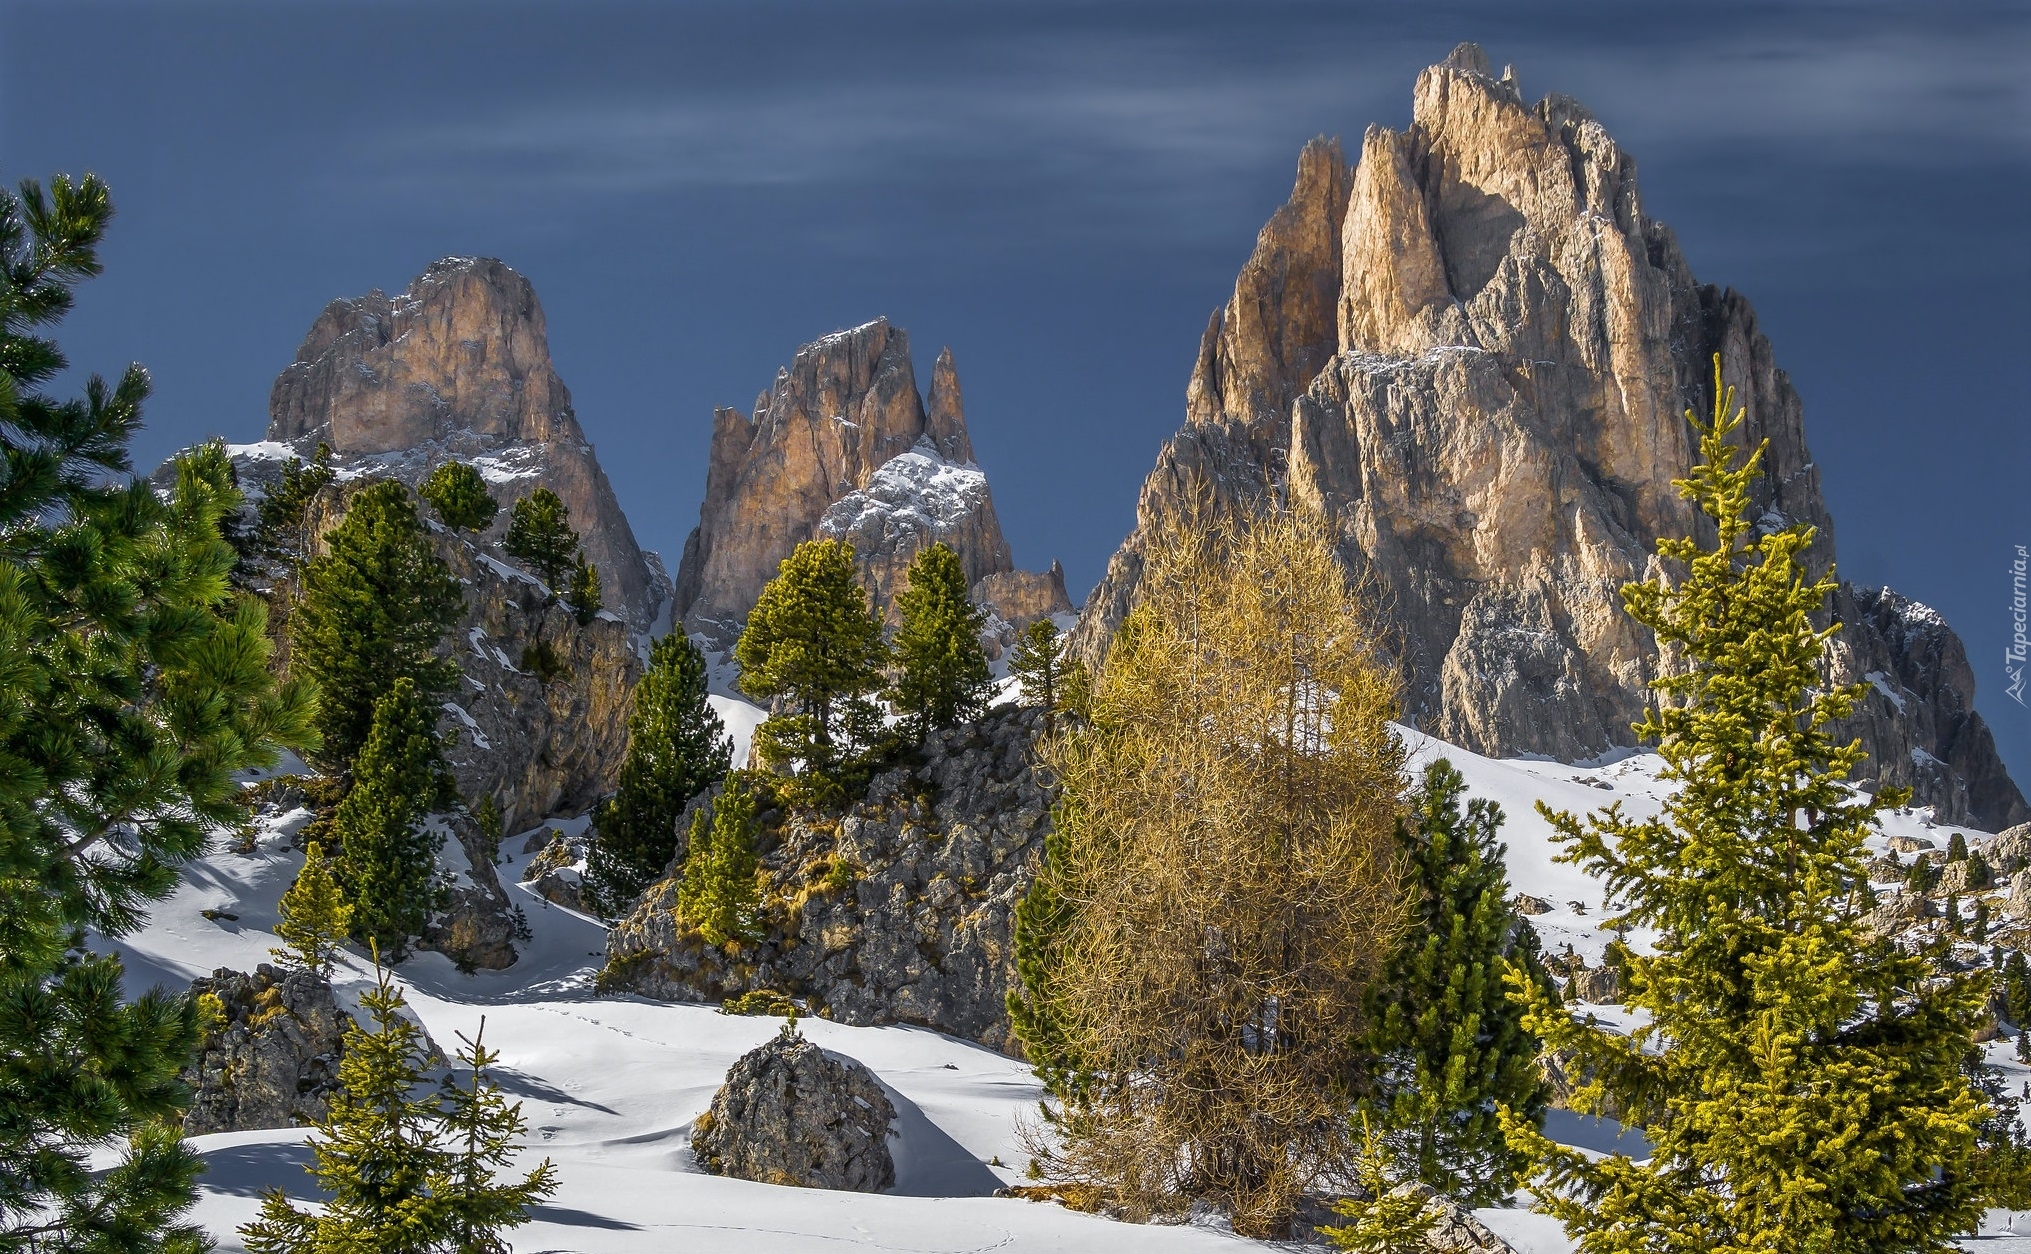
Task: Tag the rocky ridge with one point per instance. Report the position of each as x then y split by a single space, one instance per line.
898 911
1473 350
843 446
457 367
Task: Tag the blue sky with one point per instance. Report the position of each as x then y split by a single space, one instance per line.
1060 192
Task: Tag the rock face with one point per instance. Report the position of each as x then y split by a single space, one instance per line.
899 911
840 446
274 1059
1473 350
791 1113
458 367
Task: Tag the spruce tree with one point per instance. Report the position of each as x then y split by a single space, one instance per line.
480 1129
540 534
460 497
1799 1082
315 916
717 893
813 643
583 593
1448 1046
278 530
677 748
387 859
1957 847
132 686
941 677
1387 1219
375 605
406 1171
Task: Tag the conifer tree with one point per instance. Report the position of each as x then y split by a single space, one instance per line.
132 686
480 1130
1219 891
407 1171
717 893
677 748
387 859
460 497
1957 847
813 643
375 605
1448 1045
1039 664
539 533
279 518
315 916
1800 1083
941 677
584 593
1387 1220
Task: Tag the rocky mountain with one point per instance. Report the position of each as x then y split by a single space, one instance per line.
457 366
842 445
1474 350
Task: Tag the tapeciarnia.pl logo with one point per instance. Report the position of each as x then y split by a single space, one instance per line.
2013 657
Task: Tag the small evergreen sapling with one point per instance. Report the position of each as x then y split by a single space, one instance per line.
480 1132
315 916
540 534
677 748
460 497
717 893
1389 1219
941 678
388 860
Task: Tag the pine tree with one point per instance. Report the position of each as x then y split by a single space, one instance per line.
1800 1083
315 916
132 686
584 593
540 534
941 676
387 860
677 748
460 497
407 1172
1387 1219
1923 876
375 605
717 893
1448 1045
279 527
1038 663
480 1130
813 642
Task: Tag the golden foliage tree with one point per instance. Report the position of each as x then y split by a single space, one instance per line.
1220 888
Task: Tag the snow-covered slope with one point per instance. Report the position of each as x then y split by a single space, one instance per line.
610 1085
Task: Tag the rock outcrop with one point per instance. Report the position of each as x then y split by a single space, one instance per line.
1474 350
899 911
792 1113
272 1058
842 446
457 366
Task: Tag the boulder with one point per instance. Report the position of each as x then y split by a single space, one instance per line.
792 1113
898 910
272 1058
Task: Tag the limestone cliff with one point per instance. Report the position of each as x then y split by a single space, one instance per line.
1474 350
843 446
457 366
